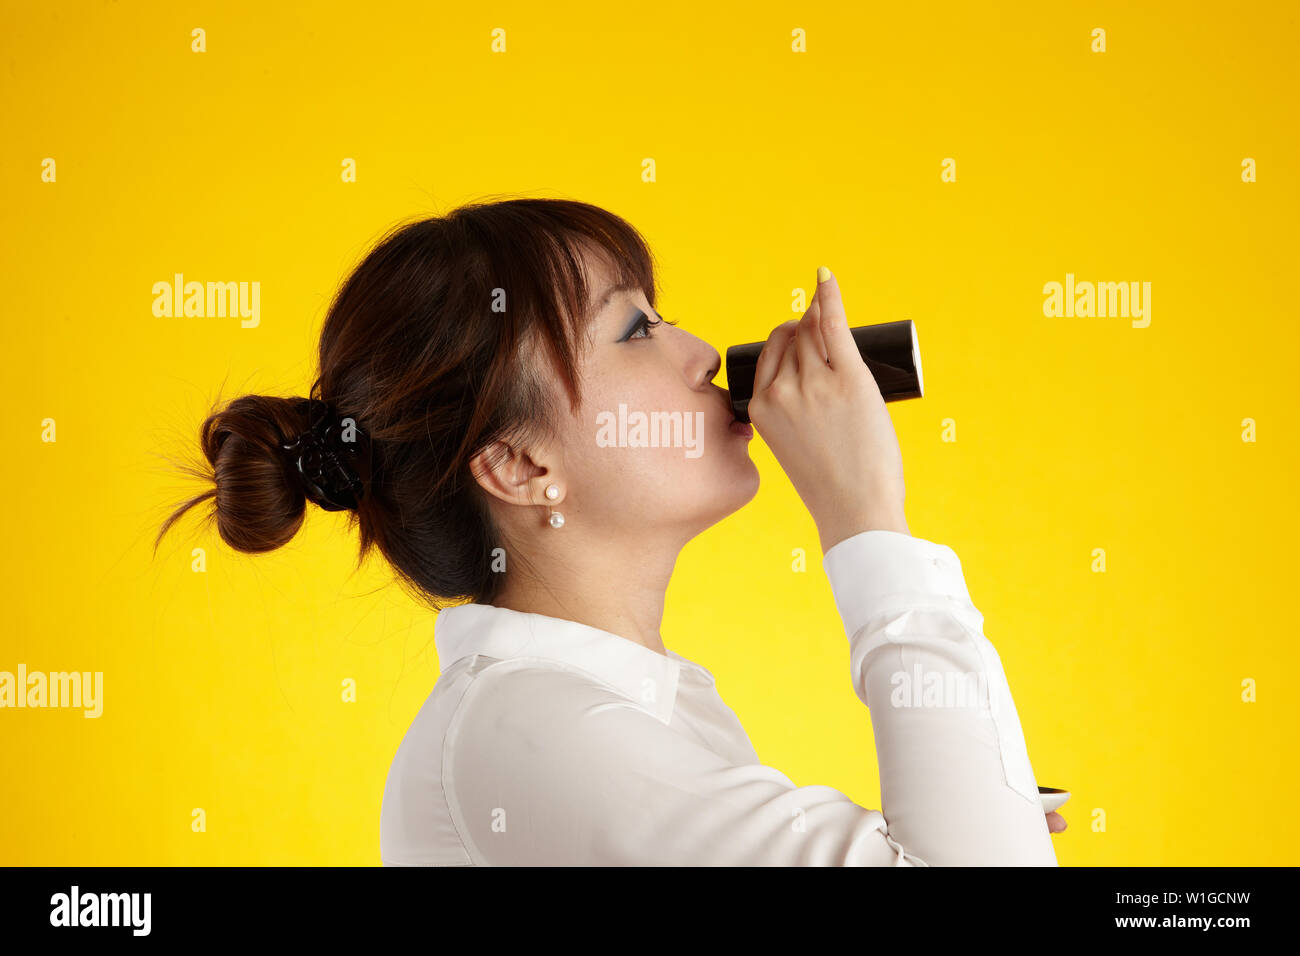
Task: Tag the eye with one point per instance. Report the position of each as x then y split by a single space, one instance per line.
645 324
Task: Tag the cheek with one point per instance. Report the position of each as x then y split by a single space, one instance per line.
634 487
644 388
628 477
664 464
623 413
618 479
625 479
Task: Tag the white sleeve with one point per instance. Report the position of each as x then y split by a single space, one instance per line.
544 765
956 784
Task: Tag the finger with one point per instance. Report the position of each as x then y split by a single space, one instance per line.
789 367
769 358
812 353
1055 822
815 309
840 347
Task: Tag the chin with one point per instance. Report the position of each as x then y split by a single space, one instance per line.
736 490
750 483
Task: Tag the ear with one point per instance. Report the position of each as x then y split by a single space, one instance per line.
511 474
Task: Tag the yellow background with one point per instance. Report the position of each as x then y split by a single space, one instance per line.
222 689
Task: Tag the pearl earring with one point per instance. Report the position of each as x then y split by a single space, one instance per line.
556 519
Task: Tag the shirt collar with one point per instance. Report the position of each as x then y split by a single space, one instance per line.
647 677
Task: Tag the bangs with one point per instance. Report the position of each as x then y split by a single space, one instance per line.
534 252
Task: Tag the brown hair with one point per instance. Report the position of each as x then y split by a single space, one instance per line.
430 346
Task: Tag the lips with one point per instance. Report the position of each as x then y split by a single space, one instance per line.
734 424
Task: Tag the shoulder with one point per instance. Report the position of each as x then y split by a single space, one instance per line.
523 695
541 715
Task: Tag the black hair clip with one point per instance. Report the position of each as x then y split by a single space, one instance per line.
325 460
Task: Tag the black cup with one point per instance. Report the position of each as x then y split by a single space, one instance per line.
889 349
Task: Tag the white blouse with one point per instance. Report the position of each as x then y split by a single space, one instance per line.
547 742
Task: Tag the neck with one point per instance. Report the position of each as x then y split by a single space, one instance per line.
616 589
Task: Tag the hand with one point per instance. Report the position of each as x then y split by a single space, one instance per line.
819 409
1055 822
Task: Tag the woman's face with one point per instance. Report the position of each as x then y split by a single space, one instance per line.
651 448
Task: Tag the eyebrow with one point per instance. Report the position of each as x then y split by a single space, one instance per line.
611 292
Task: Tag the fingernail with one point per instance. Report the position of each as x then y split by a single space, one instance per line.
823 273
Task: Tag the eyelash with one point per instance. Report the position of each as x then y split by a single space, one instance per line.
646 325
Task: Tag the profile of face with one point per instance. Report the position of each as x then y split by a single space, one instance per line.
649 455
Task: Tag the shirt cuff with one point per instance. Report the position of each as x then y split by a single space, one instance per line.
874 572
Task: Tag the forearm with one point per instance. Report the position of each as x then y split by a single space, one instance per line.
957 787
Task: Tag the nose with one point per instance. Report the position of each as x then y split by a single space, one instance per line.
706 363
701 362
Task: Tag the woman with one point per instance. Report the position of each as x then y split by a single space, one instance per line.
469 369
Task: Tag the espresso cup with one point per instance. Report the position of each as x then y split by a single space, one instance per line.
889 349
1052 799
